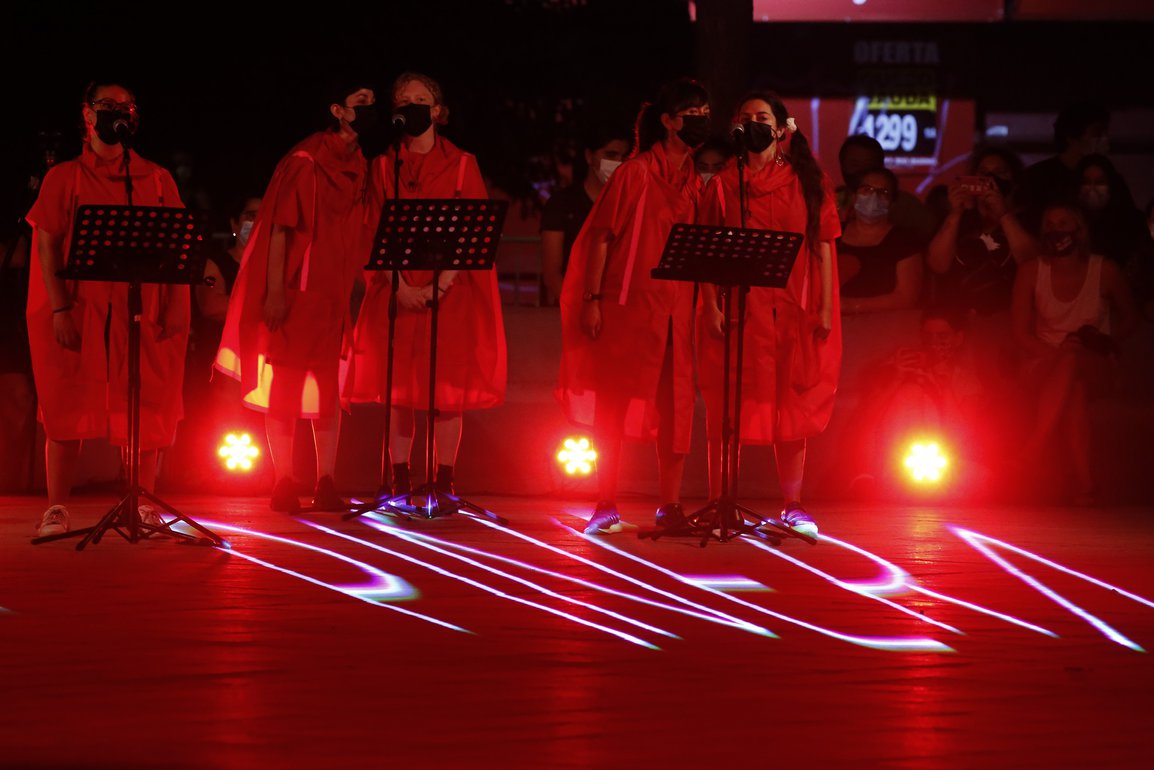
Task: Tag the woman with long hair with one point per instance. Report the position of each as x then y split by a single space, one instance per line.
627 339
792 356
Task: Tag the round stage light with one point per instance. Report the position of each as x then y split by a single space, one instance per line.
238 452
926 462
577 455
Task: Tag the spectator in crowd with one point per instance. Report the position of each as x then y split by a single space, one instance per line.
605 147
977 249
1118 231
861 152
932 391
1070 309
1080 129
712 157
879 262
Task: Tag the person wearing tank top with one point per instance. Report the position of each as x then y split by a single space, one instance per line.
1069 309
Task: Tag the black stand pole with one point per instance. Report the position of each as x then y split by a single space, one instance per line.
177 228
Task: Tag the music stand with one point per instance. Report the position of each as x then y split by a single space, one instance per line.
730 257
136 245
433 234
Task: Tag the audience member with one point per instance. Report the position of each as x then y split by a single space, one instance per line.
981 242
861 152
931 391
879 262
1117 228
1070 308
712 157
605 148
1080 129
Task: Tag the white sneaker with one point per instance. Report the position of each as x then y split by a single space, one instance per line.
54 522
149 517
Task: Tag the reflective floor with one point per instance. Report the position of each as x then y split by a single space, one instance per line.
915 637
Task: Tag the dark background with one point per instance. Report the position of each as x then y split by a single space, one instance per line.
225 90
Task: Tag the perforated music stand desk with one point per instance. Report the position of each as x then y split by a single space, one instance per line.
732 258
434 234
136 245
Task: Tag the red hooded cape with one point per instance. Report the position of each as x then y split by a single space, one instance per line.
471 350
635 212
317 192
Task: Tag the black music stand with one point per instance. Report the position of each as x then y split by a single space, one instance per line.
136 245
732 258
432 234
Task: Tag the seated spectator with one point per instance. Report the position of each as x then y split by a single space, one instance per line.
1117 228
861 152
1070 308
931 391
605 148
879 262
974 254
712 157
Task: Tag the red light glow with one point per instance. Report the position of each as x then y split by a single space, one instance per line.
578 456
238 452
925 462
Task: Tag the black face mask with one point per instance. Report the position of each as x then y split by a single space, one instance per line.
114 126
758 136
365 120
415 119
1059 242
694 130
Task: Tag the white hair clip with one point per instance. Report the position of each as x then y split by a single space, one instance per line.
790 125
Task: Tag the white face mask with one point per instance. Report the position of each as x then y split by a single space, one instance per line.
606 168
245 232
706 176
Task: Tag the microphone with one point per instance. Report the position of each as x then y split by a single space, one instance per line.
398 120
738 135
122 127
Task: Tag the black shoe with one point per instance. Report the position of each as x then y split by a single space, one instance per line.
444 482
284 497
325 497
605 519
671 516
402 483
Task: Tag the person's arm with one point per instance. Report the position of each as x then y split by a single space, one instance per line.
905 293
212 301
51 252
825 260
943 246
1022 311
552 256
594 275
1124 310
276 301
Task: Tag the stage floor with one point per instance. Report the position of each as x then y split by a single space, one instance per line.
915 637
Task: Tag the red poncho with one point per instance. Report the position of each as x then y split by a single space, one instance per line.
789 376
84 394
471 350
317 192
637 209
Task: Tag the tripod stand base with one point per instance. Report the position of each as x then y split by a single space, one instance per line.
427 502
724 520
124 519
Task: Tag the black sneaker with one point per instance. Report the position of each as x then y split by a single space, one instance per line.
325 497
671 516
605 520
284 497
444 481
402 483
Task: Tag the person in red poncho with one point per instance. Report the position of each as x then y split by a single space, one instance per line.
81 380
287 331
627 339
471 351
792 355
